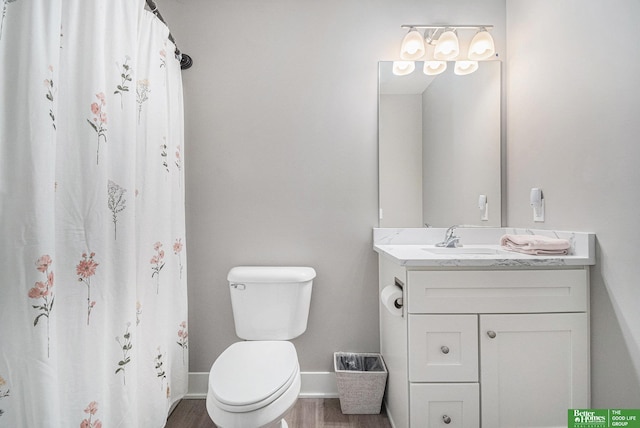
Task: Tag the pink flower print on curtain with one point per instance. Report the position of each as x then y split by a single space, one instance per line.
85 269
99 121
91 410
157 262
177 249
183 334
43 290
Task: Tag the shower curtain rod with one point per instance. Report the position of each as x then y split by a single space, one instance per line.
185 60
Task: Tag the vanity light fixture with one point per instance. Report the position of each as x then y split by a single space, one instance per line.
402 68
441 44
482 46
413 46
447 46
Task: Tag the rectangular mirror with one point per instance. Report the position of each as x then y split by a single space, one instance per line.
439 141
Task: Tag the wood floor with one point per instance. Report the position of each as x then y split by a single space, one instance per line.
307 413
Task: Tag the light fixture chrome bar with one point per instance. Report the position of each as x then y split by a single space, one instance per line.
457 27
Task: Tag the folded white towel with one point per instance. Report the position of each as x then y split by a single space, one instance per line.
535 244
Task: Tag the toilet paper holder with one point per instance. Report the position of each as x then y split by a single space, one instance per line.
398 303
391 298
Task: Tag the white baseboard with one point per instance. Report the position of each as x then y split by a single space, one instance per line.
318 385
314 385
198 386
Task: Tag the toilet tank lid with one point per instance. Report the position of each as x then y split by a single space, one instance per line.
271 274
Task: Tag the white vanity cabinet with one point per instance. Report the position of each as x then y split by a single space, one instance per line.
486 347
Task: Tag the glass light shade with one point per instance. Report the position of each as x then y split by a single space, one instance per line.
412 45
447 46
402 68
431 68
482 46
465 67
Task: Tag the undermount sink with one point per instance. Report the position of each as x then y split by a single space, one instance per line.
463 250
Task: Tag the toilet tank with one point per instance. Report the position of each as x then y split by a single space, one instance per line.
269 302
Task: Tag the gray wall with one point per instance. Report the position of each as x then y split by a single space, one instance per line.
281 153
573 125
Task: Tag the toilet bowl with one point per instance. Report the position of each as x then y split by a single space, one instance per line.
255 383
252 384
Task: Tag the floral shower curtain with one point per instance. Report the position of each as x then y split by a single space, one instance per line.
93 306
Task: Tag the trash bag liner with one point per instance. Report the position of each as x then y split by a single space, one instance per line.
359 362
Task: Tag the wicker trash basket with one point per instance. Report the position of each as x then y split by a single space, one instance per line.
361 379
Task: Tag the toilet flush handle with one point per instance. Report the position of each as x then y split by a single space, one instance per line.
238 286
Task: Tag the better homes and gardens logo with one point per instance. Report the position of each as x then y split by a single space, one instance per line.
588 418
604 418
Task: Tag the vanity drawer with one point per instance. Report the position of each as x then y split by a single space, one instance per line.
443 348
501 291
444 405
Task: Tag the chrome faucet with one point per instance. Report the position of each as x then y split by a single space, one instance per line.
450 240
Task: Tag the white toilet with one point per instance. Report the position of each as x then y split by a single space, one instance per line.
254 383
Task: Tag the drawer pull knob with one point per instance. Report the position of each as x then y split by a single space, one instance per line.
445 349
446 419
491 334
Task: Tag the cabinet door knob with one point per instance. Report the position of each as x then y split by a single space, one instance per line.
446 419
491 334
445 349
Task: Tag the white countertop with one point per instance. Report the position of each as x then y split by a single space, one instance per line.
480 248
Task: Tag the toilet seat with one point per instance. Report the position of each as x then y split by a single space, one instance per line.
251 375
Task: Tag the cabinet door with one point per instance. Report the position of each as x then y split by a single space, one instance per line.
443 348
453 405
533 368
